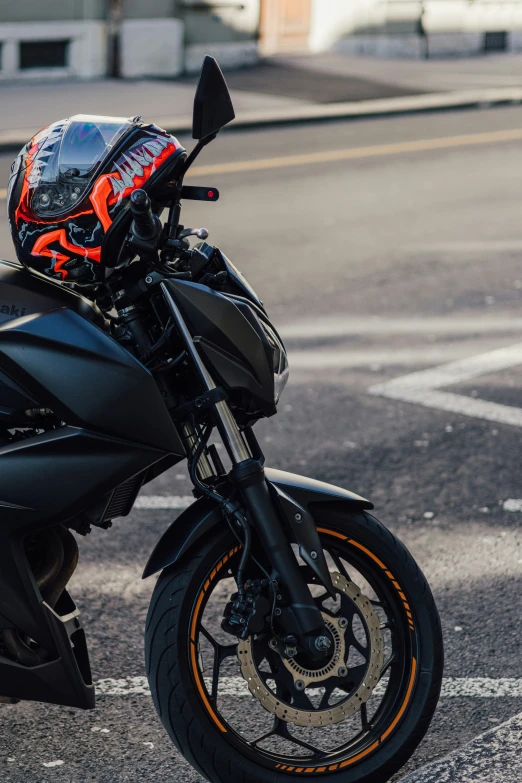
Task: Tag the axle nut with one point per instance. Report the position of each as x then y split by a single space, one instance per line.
323 643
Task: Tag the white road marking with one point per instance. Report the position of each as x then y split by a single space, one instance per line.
150 502
125 686
512 504
339 359
340 326
452 687
422 387
472 246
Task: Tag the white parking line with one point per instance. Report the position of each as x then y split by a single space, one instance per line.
340 326
471 246
150 502
339 359
512 504
452 687
422 387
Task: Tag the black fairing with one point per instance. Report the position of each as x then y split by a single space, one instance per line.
236 280
230 339
116 426
87 378
25 292
45 480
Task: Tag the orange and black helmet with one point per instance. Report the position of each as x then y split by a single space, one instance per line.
68 197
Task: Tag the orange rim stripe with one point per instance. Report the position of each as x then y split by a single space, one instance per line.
405 702
202 691
373 557
193 647
332 533
360 755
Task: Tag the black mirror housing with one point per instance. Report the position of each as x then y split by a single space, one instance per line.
212 104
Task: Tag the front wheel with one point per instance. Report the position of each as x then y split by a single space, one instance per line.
250 712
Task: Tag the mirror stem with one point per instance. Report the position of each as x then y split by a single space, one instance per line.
175 210
202 143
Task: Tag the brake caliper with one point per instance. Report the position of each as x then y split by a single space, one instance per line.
250 613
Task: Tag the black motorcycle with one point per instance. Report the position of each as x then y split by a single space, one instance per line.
290 633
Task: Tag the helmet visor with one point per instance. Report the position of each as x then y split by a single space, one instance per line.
68 159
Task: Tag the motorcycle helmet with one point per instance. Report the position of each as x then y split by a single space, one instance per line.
68 195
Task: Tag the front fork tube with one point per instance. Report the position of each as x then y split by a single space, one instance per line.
248 475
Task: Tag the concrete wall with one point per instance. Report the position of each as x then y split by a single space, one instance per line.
391 28
52 10
443 16
227 31
157 37
149 9
87 52
151 47
331 20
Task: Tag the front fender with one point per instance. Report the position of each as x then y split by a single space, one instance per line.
204 515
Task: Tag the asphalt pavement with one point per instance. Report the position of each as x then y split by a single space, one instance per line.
392 253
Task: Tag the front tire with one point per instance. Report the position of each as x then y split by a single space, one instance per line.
211 730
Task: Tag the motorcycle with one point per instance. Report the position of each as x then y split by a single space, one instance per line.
290 634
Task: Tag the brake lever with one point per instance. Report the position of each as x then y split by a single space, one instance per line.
200 233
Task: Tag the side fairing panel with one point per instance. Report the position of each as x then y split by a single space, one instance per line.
53 476
86 378
44 481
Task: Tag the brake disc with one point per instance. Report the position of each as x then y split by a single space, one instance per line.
313 677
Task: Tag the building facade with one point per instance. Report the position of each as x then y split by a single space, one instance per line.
164 38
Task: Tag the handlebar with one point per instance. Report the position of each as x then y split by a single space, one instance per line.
146 225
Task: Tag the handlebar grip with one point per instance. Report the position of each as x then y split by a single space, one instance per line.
145 225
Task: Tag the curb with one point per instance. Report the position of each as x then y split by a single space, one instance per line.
13 140
492 757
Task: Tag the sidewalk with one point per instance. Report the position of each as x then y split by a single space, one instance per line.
291 89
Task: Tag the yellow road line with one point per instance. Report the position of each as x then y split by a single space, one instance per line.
354 153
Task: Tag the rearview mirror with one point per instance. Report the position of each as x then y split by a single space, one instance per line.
212 105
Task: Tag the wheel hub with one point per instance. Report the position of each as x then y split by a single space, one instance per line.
336 667
308 676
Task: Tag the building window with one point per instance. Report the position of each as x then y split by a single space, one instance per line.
44 54
495 42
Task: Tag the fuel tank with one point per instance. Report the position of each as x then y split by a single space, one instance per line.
23 293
